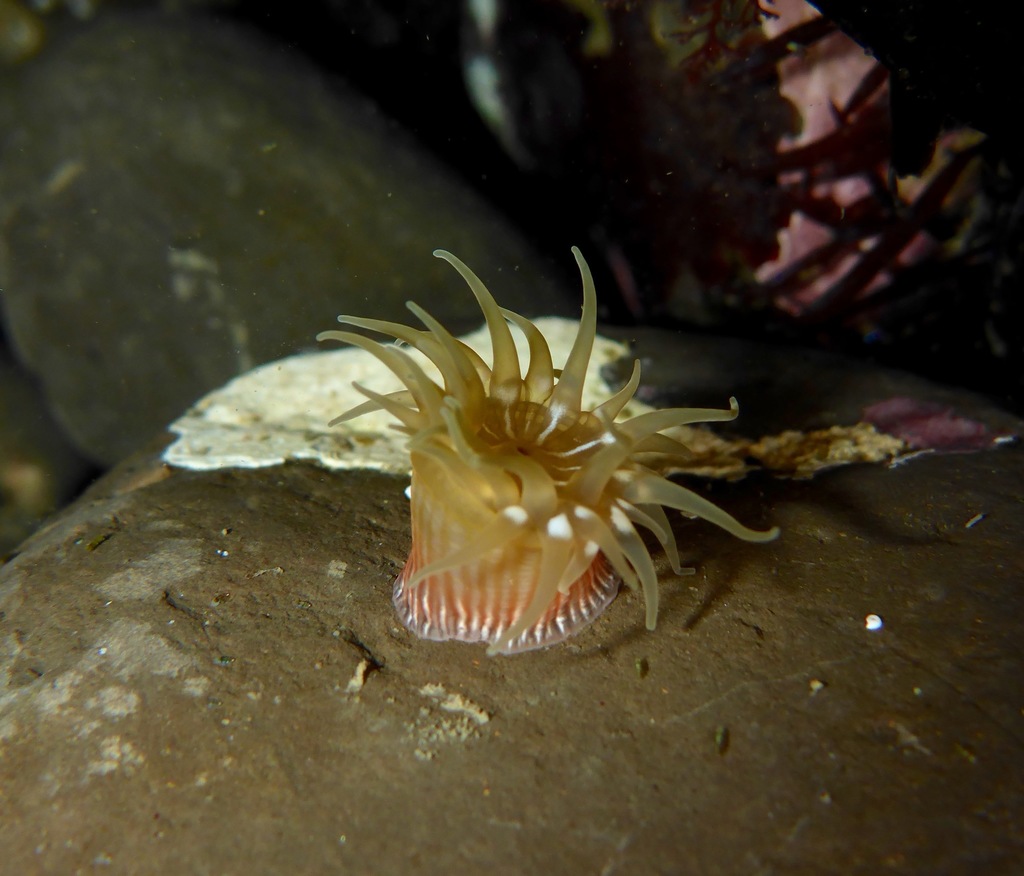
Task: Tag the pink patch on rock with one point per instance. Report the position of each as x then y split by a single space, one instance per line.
931 426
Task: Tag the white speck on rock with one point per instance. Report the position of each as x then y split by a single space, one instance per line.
358 679
337 569
907 739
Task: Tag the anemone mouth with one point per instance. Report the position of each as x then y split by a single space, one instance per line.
525 506
562 446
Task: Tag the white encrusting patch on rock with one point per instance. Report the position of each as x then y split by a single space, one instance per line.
114 702
130 649
279 412
177 560
115 754
195 686
337 569
53 697
460 720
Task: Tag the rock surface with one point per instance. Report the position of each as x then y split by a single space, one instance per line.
204 669
181 200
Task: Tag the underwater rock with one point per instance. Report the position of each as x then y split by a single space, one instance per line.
39 470
207 665
181 200
21 33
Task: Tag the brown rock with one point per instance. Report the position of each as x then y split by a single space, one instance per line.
205 674
181 200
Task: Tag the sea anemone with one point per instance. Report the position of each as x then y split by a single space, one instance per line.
525 507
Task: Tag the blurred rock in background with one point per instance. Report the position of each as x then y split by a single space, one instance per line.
742 168
182 199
